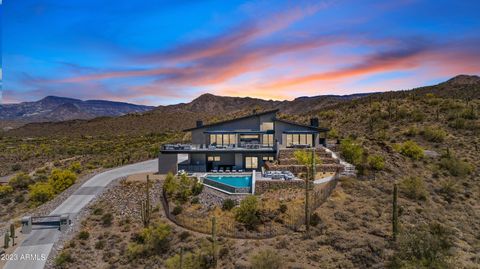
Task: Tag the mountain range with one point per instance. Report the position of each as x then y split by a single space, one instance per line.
53 108
76 117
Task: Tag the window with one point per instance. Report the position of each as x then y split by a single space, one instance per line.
213 158
251 162
268 158
295 139
268 140
223 139
266 126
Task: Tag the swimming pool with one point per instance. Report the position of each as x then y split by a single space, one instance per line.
241 183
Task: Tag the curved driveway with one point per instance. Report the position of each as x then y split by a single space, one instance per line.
34 250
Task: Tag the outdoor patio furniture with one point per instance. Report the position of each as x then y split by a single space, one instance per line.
227 171
234 171
214 171
240 171
220 170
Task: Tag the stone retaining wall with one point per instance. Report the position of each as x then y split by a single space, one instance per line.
262 186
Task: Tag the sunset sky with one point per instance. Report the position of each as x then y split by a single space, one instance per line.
164 52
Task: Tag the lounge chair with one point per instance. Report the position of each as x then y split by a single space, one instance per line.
214 171
227 170
240 170
220 170
234 170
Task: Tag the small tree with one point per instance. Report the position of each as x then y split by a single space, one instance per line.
20 181
60 180
248 213
170 185
351 151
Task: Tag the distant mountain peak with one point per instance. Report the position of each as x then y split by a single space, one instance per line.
464 80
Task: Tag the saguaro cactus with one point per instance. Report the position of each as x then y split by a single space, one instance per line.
6 242
214 239
395 213
146 210
12 233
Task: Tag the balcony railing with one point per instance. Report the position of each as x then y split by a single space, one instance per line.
206 147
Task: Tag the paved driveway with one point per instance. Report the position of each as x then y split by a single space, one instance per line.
34 250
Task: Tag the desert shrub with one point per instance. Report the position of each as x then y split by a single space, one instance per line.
157 237
458 123
266 259
469 114
248 213
376 162
184 235
427 246
19 198
200 258
20 181
170 185
414 188
16 167
411 131
83 235
98 211
417 115
60 180
107 219
315 219
283 208
351 151
412 150
184 188
63 259
40 193
76 167
448 189
100 244
228 204
333 133
433 134
5 190
177 210
455 167
195 200
197 187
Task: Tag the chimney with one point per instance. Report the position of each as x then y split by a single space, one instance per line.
199 123
314 122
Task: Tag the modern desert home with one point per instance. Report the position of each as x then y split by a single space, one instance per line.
244 143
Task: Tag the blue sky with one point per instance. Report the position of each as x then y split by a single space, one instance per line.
163 52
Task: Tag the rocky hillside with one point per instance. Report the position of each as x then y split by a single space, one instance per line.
53 108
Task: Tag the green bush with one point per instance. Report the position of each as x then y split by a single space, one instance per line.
83 235
228 204
456 167
170 185
315 219
16 167
107 219
197 187
414 188
283 208
177 210
5 190
448 189
76 167
266 259
40 193
63 259
423 247
351 151
184 188
100 244
20 181
248 213
60 180
195 200
433 134
157 237
412 150
376 162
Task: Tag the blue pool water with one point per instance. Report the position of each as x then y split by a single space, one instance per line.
239 181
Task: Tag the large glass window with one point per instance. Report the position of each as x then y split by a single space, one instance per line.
251 162
299 139
223 139
267 140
